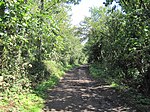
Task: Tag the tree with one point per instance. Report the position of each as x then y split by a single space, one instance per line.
119 41
32 31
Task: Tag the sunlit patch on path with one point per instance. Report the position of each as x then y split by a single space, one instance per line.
78 92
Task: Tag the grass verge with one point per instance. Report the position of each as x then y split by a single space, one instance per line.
131 95
18 99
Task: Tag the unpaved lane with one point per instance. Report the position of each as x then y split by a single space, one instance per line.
77 92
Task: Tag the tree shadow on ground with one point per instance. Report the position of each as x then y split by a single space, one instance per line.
78 92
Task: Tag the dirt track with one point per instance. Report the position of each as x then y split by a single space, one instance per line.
78 92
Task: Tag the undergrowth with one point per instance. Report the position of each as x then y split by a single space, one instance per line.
20 101
114 79
31 98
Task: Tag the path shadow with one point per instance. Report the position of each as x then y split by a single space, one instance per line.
77 92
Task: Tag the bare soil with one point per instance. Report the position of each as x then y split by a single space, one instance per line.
77 91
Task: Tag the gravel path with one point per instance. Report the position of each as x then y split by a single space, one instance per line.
78 92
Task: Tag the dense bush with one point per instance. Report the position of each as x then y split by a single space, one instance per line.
32 31
119 41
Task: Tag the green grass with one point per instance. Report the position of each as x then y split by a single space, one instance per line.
32 100
26 102
97 71
140 101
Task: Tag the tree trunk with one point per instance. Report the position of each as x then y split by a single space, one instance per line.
40 37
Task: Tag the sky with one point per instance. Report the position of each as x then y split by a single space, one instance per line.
82 10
